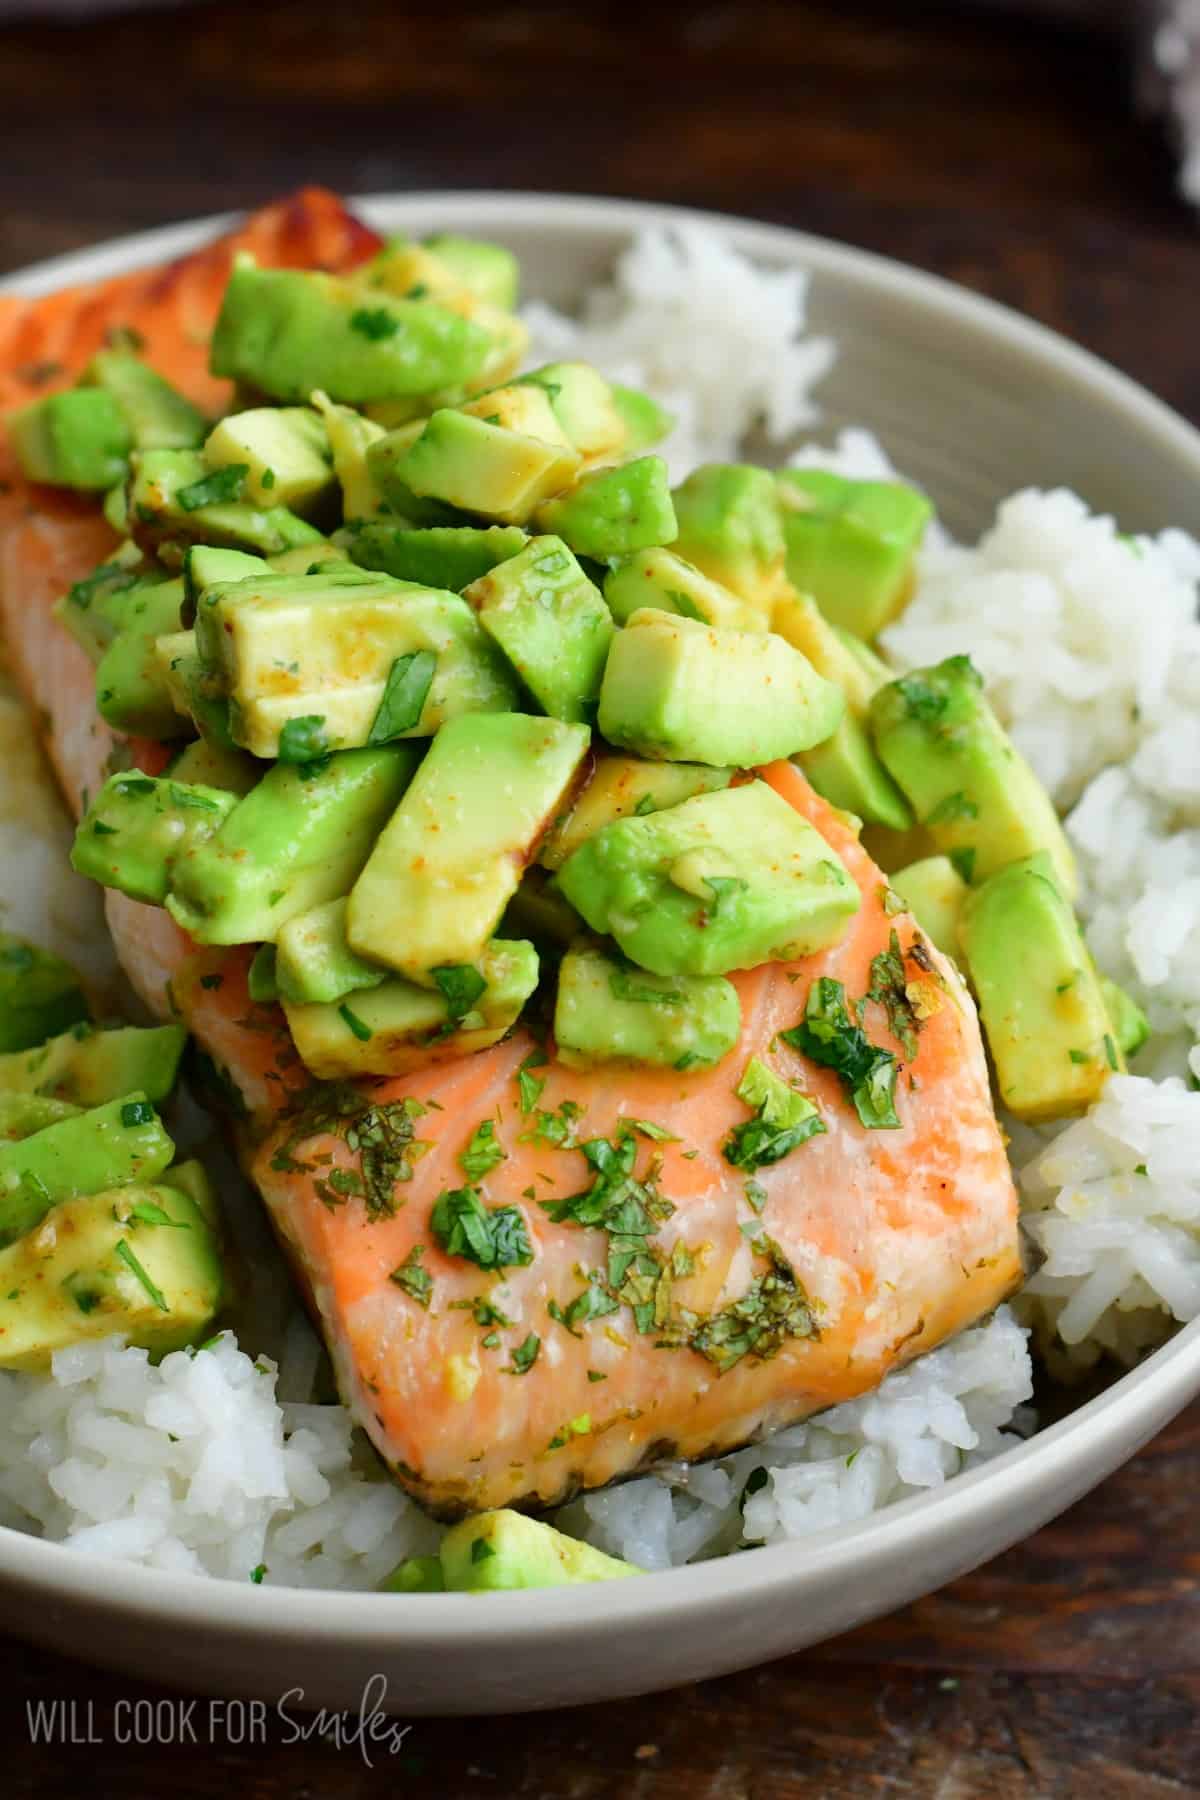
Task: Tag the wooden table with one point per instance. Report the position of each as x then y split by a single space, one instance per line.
1003 153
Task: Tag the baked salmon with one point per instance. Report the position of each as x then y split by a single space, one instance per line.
672 1306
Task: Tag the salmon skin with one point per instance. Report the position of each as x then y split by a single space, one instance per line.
661 1302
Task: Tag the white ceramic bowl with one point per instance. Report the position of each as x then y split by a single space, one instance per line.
973 401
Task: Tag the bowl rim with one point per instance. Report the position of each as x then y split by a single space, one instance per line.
368 1620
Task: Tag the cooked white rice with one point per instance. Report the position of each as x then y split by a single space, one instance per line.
1091 651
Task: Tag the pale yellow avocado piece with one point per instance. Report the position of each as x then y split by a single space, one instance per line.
798 619
504 1549
350 437
484 468
934 892
284 451
520 407
619 786
660 579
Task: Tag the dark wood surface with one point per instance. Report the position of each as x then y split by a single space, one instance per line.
1000 150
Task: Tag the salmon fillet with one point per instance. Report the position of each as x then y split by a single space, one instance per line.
756 1305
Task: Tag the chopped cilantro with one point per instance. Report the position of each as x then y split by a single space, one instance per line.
216 489
416 1282
828 1035
688 1060
557 1127
460 985
482 1153
645 805
380 1134
374 322
889 985
625 984
137 1112
1078 1056
405 693
529 1086
481 1550
756 1196
148 1212
257 1573
111 577
1110 1051
649 1129
964 861
954 806
774 1308
723 888
526 1354
596 1375
303 740
492 1239
127 1256
783 1119
267 479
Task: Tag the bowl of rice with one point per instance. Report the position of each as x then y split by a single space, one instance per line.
135 1498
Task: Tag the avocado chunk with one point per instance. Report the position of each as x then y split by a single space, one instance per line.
175 499
681 691
110 1146
537 910
194 693
450 557
490 271
608 1010
934 892
76 439
132 692
478 467
23 1114
140 1260
286 332
850 544
614 512
449 861
851 664
355 658
205 565
300 837
584 407
89 1067
518 407
158 415
350 438
971 789
202 764
1040 998
415 1575
846 771
315 964
115 507
95 609
39 994
664 581
398 1026
730 527
723 881
498 1550
1130 1026
551 624
619 786
138 824
284 451
646 422
385 459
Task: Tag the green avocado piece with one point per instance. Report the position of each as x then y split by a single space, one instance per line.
315 964
450 557
39 994
551 624
383 459
204 565
132 693
115 507
466 462
398 1026
141 1260
537 910
137 826
933 891
618 786
608 1010
23 1114
851 664
491 272
723 881
209 765
350 439
95 609
78 438
730 527
497 1550
191 1178
176 499
300 837
286 332
158 415
662 580
284 451
677 690
583 405
646 422
415 1575
89 1067
193 692
1130 1026
846 771
1040 999
449 860
850 544
971 789
110 1146
614 512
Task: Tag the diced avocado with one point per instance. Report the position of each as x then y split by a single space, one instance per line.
261 983
730 527
646 422
286 332
619 786
205 565
158 415
550 622
355 657
115 507
1130 1026
614 512
583 405
439 556
846 771
194 693
306 559
934 892
723 881
518 407
315 964
139 1260
89 1067
850 544
399 1026
385 460
677 690
132 693
191 1178
300 837
77 439
606 1009
497 1550
662 580
350 438
95 609
40 994
971 789
856 669
877 670
110 1146
1039 996
284 451
449 861
138 824
465 462
23 1114
415 1575
209 765
489 270
537 910
175 499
